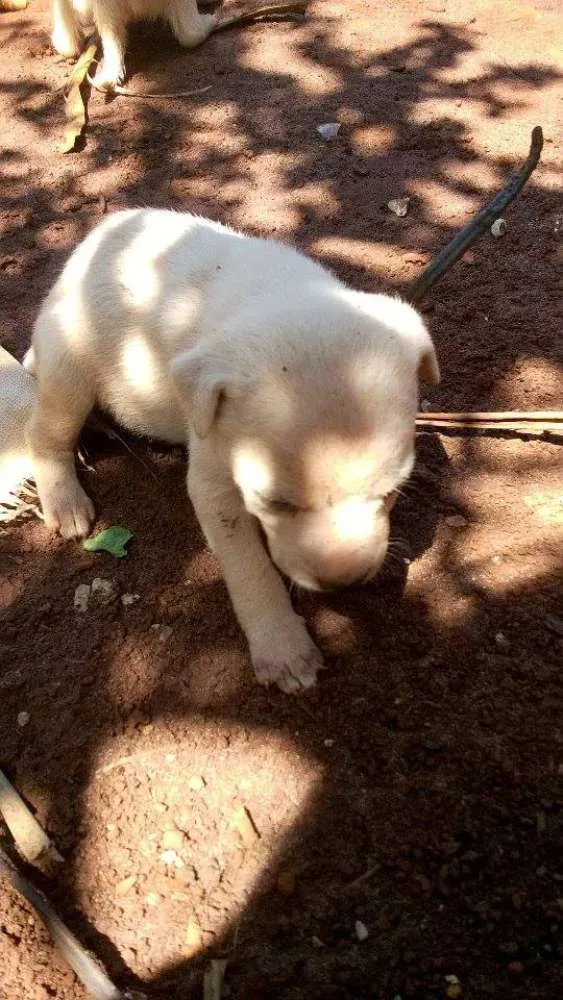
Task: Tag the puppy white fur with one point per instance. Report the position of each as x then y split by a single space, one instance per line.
72 18
296 396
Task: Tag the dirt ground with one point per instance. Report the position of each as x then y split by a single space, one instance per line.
418 789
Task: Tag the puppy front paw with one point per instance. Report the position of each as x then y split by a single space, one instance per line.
287 657
67 509
65 42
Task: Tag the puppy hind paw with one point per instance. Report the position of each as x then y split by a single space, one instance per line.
195 32
109 77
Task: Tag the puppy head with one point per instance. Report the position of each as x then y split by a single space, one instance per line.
313 408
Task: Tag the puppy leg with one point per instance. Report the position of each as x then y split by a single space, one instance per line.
67 37
281 649
65 396
112 29
189 26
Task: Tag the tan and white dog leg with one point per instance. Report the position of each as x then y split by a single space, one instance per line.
281 649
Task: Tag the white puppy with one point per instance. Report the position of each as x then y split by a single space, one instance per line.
71 18
296 395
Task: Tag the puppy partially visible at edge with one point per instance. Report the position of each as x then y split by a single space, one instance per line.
296 397
71 18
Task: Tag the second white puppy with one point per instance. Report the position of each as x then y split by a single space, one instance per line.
110 18
296 395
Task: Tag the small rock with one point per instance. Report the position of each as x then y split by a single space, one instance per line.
328 743
152 899
361 930
82 597
316 942
171 858
128 599
23 719
425 406
126 883
329 130
173 840
456 521
361 169
453 987
498 228
399 206
196 783
102 590
243 823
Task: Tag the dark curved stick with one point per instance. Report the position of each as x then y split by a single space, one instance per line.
482 221
89 972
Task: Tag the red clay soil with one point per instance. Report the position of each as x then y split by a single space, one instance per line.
418 789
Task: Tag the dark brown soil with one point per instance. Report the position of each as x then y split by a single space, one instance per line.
430 759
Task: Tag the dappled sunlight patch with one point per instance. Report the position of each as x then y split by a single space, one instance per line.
439 199
373 140
367 254
480 176
217 809
273 57
535 376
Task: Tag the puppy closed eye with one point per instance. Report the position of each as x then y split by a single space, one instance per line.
277 505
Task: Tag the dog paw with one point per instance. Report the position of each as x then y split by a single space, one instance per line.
108 77
195 32
66 43
288 658
67 509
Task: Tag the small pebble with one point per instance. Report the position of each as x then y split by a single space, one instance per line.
498 227
362 932
329 130
173 840
125 885
152 899
23 719
102 590
502 641
171 858
81 597
399 206
197 784
128 599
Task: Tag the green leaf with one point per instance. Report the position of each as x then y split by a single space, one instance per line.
112 540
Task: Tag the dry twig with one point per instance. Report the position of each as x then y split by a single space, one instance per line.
478 225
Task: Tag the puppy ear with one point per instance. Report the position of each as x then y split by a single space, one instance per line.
201 382
428 367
